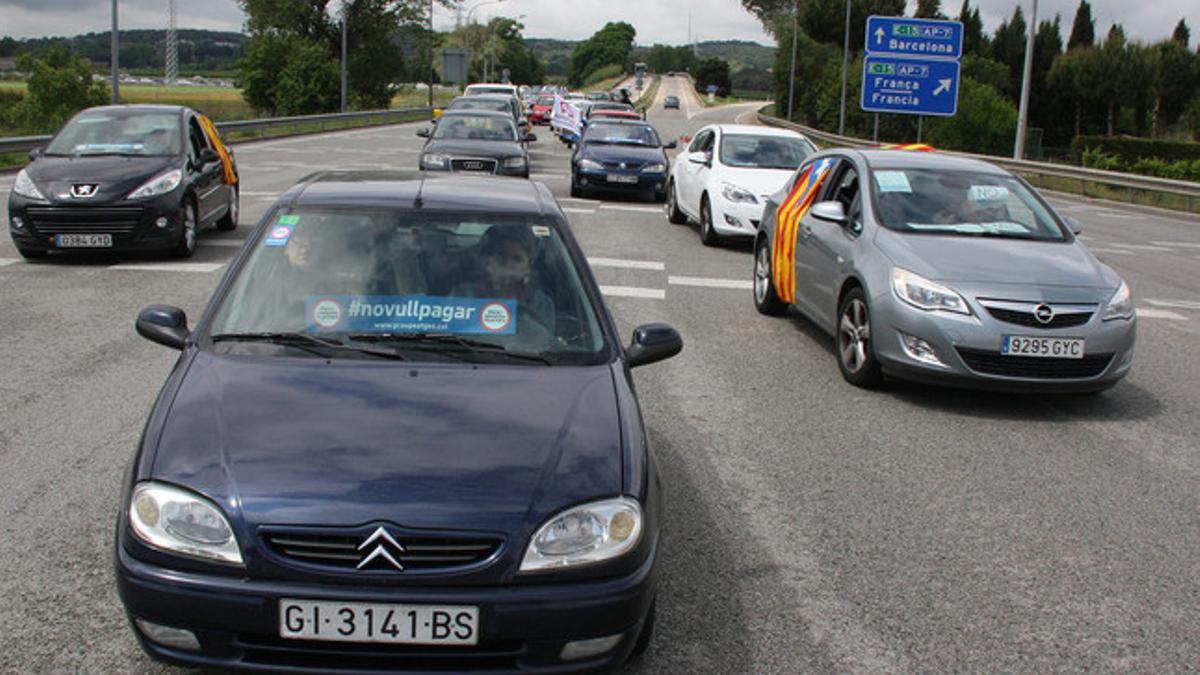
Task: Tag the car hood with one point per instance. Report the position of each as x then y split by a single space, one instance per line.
475 148
631 154
997 261
308 442
762 182
115 177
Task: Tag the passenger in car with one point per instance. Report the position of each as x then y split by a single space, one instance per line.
507 259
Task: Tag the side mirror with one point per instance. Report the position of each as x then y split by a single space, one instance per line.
653 342
163 324
523 123
831 211
208 156
671 146
698 158
530 138
423 133
35 153
1073 223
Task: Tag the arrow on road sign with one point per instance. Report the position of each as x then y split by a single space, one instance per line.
943 85
878 35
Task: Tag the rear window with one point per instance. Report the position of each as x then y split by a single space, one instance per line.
480 104
119 132
477 127
763 152
621 134
546 100
425 286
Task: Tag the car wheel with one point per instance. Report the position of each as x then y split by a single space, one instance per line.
674 215
855 349
647 634
31 253
708 236
766 300
187 235
229 221
576 191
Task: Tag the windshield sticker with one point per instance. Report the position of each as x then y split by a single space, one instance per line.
281 231
410 314
987 193
892 181
109 147
540 230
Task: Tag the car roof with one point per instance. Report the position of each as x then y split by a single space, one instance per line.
757 130
438 191
484 97
476 112
141 107
624 122
905 159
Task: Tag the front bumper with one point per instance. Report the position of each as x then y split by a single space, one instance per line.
598 179
132 224
731 219
969 349
522 627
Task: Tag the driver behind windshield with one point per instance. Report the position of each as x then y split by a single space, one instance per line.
507 254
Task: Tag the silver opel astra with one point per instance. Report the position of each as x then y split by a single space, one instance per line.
941 269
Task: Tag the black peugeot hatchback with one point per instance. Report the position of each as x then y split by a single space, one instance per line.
125 178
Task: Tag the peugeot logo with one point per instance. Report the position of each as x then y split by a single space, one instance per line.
1044 314
624 166
384 545
473 166
83 190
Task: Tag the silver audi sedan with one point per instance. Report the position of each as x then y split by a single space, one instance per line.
941 269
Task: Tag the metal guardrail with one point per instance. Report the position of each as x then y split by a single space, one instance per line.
27 143
1131 183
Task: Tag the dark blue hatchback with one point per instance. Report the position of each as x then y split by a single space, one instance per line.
403 437
620 156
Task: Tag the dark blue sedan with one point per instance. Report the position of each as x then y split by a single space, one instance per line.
620 156
402 436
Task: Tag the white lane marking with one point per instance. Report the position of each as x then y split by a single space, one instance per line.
260 193
1101 249
567 209
548 175
5 262
169 267
638 209
627 264
228 243
1083 237
577 199
1183 244
1143 247
710 282
633 292
1180 304
1146 313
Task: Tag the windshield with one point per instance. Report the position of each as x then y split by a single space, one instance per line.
961 203
477 127
763 152
424 286
474 90
546 100
119 132
480 104
621 134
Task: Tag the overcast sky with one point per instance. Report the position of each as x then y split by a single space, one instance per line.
655 20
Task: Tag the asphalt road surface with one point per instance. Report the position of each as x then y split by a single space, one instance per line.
810 526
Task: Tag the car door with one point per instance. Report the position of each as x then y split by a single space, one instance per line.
823 247
208 180
694 172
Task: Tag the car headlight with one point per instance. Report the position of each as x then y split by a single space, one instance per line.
1121 305
434 161
590 165
159 185
925 294
656 167
736 194
176 520
584 535
514 163
25 186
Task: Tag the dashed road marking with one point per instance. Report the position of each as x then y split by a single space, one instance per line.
633 292
543 176
1147 313
1181 244
1144 247
579 200
169 267
637 209
568 209
627 264
710 282
1101 249
5 262
229 243
1180 304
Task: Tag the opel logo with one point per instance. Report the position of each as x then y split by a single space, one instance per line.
1044 314
384 547
83 190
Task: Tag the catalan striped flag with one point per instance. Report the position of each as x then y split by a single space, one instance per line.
787 223
912 147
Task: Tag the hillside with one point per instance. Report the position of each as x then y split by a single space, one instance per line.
740 54
198 49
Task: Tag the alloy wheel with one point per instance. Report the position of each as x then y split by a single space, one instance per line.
854 335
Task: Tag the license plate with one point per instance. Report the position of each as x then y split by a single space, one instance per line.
621 178
83 240
372 622
1043 347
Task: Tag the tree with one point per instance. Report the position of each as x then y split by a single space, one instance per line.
1173 81
1182 34
289 75
1008 47
986 122
812 58
1083 29
974 40
1045 104
59 86
713 72
929 9
608 46
825 20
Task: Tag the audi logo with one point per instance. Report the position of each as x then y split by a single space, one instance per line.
473 166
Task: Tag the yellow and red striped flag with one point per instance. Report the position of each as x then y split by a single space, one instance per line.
787 223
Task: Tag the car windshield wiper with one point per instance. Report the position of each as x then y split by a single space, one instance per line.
451 339
309 343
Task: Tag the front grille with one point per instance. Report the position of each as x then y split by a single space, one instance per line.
1064 320
1032 367
342 552
274 651
51 220
629 166
473 165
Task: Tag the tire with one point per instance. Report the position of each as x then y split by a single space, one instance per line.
647 634
229 221
659 197
32 253
576 191
674 215
187 234
708 236
854 343
766 300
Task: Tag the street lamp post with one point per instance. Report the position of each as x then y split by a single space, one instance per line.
1026 76
115 58
343 57
471 13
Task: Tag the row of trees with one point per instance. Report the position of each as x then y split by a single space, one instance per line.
607 49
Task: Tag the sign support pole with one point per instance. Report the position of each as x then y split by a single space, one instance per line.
845 65
1027 75
876 137
919 119
792 77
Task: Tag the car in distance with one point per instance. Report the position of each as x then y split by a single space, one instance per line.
491 88
942 269
402 436
125 178
476 141
671 102
726 174
542 107
492 102
620 156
